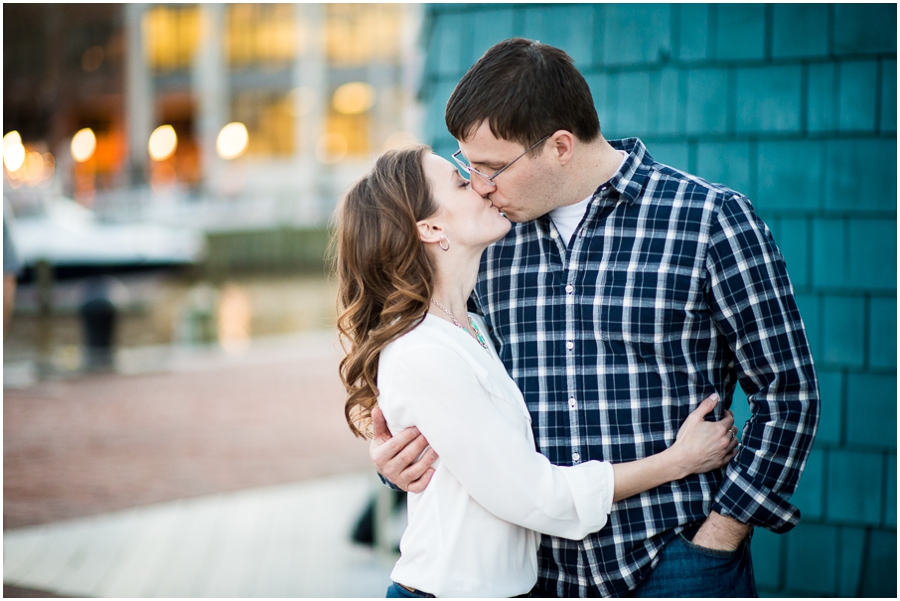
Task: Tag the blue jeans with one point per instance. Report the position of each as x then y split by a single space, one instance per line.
395 591
688 570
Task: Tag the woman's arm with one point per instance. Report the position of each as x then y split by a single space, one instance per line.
434 388
700 446
431 386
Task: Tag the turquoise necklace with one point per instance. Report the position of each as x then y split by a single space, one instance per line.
478 335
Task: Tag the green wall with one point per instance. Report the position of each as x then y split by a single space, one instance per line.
796 106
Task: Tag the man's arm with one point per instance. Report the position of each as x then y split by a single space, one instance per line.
752 303
395 456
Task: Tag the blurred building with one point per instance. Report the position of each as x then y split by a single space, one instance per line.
795 106
313 92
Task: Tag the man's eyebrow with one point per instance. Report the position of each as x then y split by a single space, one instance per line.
486 163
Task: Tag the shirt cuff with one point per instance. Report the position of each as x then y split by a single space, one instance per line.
746 502
592 491
388 483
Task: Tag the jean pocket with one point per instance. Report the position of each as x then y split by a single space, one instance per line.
717 553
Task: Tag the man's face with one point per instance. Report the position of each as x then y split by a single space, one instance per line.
524 191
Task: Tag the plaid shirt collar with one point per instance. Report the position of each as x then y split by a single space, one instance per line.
630 179
628 182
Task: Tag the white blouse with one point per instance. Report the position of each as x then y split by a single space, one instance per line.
474 530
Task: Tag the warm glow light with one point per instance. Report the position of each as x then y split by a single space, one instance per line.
34 167
163 143
353 98
235 315
84 143
232 141
13 155
331 148
11 139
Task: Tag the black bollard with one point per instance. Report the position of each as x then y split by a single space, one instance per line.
98 320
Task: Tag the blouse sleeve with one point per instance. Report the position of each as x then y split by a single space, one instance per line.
439 392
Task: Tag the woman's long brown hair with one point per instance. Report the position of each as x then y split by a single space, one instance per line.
385 277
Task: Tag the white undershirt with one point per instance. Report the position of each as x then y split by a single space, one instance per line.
567 218
472 531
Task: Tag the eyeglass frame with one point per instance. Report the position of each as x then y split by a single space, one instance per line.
490 178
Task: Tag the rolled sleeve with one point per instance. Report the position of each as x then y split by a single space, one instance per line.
752 301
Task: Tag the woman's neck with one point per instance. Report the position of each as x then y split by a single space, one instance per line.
452 288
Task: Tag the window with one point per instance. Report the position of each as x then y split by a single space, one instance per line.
171 35
263 34
359 33
269 118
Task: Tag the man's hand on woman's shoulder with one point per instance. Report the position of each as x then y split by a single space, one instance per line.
395 457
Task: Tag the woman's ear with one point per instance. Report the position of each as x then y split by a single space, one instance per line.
429 232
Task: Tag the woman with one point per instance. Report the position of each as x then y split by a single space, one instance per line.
410 236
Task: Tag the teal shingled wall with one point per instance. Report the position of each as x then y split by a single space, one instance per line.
796 106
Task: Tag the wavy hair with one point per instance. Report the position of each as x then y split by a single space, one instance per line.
385 276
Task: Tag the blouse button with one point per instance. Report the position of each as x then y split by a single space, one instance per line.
576 457
570 345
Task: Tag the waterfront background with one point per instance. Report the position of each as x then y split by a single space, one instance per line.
233 129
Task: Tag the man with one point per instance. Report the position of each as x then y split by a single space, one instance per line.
625 293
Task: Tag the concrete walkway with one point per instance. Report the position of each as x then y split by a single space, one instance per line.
280 541
189 473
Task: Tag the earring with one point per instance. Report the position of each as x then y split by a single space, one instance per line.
441 243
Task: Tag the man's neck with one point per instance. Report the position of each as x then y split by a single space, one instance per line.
597 163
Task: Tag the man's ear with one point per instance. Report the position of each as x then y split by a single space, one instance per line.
562 144
429 232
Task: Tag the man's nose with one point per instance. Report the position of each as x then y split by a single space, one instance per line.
480 185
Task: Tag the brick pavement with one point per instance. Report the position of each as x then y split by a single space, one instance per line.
98 443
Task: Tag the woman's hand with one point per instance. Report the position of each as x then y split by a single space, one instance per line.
702 446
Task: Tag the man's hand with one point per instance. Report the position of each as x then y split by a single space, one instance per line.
395 457
721 532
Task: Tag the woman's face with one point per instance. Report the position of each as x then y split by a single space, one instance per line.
465 216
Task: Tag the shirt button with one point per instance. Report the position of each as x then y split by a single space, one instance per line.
570 345
570 289
572 403
604 188
554 234
576 457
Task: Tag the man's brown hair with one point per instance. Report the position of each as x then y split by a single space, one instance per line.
526 90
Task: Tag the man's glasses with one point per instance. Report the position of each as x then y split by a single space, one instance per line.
490 178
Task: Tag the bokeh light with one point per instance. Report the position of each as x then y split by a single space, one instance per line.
92 58
13 151
353 98
84 143
33 167
232 141
163 142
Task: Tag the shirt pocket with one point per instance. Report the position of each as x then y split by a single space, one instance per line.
643 306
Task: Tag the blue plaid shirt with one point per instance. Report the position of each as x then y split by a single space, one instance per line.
670 289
